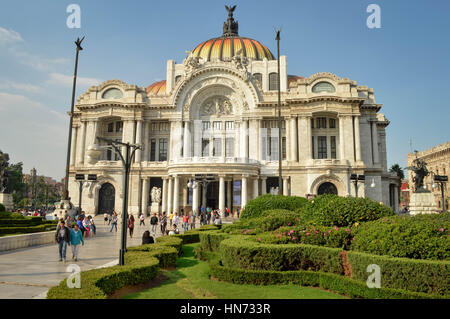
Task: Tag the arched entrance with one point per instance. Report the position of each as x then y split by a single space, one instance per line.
327 188
106 199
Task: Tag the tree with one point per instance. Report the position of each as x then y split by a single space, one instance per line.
398 170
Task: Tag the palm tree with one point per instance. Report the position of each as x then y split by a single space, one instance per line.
398 170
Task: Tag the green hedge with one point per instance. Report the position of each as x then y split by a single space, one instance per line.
333 210
210 227
189 237
335 283
27 221
2 208
418 237
170 241
26 230
11 215
100 283
246 252
257 206
432 277
210 240
237 252
166 255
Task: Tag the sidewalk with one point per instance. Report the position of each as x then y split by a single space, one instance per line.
30 272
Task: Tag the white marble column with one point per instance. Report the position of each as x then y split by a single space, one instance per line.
222 195
82 143
164 195
237 139
176 194
263 185
137 155
288 139
357 140
286 185
244 191
145 195
244 138
341 138
294 142
73 148
304 137
146 151
204 196
376 156
187 140
170 196
255 187
195 198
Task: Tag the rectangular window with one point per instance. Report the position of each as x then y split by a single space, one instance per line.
217 125
229 147
313 148
217 147
119 126
206 125
163 149
283 147
110 127
333 146
189 196
273 81
229 125
322 147
321 122
332 123
273 147
312 123
152 150
237 193
205 147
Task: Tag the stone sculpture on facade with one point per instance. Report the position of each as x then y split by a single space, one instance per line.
155 195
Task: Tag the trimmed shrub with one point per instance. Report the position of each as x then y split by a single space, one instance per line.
189 237
334 237
12 215
170 241
430 277
100 283
257 206
166 255
210 227
236 252
210 240
2 208
333 210
26 229
336 283
418 237
272 219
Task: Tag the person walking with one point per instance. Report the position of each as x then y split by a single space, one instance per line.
154 223
113 221
185 222
131 225
163 223
76 238
62 237
80 224
142 220
105 218
93 227
192 220
170 219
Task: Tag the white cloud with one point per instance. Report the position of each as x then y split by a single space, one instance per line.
67 80
33 134
22 87
9 36
35 61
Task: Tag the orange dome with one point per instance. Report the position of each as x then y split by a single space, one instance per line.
225 48
157 88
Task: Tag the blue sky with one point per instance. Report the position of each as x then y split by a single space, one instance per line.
406 62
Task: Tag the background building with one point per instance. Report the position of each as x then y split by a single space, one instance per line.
216 114
438 163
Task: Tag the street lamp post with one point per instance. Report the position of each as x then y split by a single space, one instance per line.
130 149
280 157
441 179
69 144
355 179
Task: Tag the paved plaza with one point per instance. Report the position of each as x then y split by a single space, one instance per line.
30 272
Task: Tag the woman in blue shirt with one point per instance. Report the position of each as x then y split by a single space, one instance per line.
76 238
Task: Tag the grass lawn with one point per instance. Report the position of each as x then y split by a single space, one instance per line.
190 280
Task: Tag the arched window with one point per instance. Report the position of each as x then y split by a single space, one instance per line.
273 81
323 87
258 76
113 94
327 188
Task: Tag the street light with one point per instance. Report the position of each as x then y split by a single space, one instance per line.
69 143
441 179
94 152
280 179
